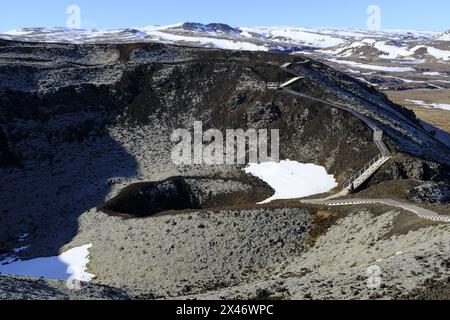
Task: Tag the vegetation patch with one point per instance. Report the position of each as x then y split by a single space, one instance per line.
322 221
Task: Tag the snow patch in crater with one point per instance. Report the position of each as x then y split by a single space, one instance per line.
71 264
292 180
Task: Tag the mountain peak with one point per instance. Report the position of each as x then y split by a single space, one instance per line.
211 27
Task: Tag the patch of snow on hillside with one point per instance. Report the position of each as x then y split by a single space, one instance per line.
421 103
158 28
300 36
410 61
405 80
443 106
18 32
214 42
439 54
434 74
246 34
444 37
71 264
391 51
292 180
366 81
372 67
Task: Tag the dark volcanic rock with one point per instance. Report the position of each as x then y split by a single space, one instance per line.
236 101
222 27
53 94
212 27
7 158
91 87
431 192
264 115
404 167
421 51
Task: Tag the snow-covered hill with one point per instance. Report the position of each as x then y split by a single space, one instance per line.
421 58
444 36
389 44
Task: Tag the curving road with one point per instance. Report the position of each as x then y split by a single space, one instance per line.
370 168
421 212
374 164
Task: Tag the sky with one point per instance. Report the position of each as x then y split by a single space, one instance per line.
430 15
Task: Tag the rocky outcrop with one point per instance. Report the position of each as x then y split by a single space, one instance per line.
210 28
236 101
407 167
263 115
431 192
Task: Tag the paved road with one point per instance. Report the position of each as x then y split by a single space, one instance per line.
378 139
421 212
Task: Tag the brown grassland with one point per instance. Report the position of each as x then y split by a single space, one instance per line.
437 117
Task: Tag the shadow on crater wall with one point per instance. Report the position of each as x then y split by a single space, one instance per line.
46 200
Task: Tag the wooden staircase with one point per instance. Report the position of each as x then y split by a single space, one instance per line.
373 165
